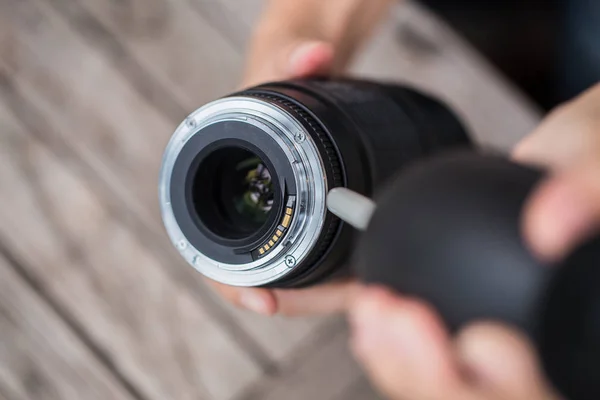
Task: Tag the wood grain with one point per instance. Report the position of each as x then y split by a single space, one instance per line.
93 106
325 375
121 137
176 43
234 19
40 356
156 334
360 389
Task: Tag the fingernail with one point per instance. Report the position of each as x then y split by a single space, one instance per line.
566 217
309 57
256 302
299 52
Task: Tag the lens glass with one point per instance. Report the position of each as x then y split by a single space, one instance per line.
252 190
233 192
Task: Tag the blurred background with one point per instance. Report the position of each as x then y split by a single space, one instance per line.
94 302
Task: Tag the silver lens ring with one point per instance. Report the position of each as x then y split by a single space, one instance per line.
308 171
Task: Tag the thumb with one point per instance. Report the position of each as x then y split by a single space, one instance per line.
310 58
501 363
298 59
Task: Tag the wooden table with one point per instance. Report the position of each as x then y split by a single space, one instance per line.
94 302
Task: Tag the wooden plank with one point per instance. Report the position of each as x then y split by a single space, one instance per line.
361 389
40 356
156 334
415 47
248 12
177 44
105 127
325 374
234 19
95 108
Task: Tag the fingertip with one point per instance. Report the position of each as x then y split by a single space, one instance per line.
261 301
311 58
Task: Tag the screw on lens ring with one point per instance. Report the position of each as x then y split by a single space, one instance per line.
290 261
191 122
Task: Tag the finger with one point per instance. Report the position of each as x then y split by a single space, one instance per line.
258 300
298 58
404 347
564 211
310 59
322 299
567 135
501 363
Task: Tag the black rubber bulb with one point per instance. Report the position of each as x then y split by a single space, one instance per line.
448 230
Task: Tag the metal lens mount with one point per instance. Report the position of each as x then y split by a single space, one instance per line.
293 157
296 140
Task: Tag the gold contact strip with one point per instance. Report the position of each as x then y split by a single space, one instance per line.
285 224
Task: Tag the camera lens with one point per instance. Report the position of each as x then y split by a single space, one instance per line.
233 193
244 179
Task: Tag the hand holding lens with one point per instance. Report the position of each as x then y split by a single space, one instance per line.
447 230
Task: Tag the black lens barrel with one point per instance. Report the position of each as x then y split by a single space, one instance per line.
366 132
312 135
